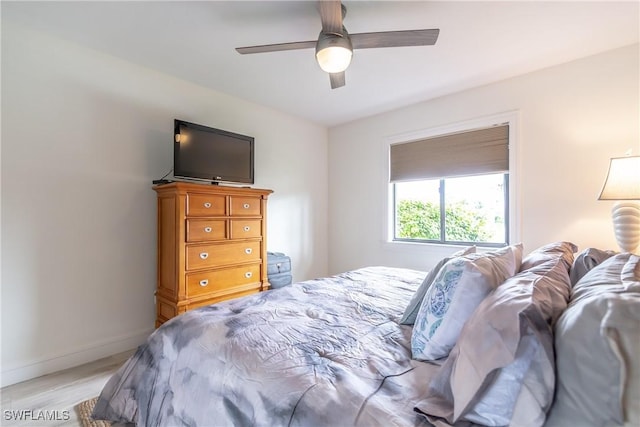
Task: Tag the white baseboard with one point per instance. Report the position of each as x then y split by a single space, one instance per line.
89 353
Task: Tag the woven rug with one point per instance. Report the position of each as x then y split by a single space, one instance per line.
84 413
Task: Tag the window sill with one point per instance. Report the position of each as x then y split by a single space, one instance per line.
436 247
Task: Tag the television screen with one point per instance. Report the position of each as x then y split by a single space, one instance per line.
209 154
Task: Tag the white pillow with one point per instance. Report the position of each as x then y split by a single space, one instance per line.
457 290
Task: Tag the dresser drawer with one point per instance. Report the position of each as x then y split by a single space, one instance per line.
207 256
245 228
245 206
215 299
206 204
202 230
211 281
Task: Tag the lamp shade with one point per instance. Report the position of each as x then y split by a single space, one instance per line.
333 52
623 179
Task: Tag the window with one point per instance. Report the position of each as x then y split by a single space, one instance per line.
452 188
471 209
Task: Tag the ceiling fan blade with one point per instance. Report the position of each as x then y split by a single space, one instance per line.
337 80
331 15
276 47
394 38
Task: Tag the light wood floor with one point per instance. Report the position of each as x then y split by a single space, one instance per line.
59 391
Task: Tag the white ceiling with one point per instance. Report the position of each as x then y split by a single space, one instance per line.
480 42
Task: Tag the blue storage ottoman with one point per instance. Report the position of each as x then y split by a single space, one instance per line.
278 269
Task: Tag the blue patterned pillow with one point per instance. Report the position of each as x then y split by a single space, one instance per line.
410 313
457 290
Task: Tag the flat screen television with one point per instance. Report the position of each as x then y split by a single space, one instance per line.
214 155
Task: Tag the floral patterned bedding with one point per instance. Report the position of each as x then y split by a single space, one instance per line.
324 352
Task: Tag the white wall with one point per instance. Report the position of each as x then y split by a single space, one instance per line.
83 135
572 119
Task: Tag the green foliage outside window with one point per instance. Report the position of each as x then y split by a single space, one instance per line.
417 220
421 220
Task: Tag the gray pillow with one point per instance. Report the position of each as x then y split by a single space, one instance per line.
586 260
606 277
597 342
501 371
410 313
565 250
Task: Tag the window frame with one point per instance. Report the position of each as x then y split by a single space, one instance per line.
442 240
513 203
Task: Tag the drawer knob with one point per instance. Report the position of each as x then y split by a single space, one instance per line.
248 274
246 228
207 229
204 255
246 206
204 282
248 251
207 205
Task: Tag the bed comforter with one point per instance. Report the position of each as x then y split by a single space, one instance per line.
324 352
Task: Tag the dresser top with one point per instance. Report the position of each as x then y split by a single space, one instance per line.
185 187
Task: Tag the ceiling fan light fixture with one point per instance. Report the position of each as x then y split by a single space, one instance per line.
334 46
334 52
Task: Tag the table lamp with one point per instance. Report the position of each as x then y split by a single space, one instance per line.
623 185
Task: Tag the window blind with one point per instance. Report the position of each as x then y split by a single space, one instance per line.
472 152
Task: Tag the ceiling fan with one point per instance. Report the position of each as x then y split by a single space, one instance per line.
335 45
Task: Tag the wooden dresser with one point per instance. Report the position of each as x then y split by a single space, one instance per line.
211 245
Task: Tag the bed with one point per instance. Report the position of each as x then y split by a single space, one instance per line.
335 352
